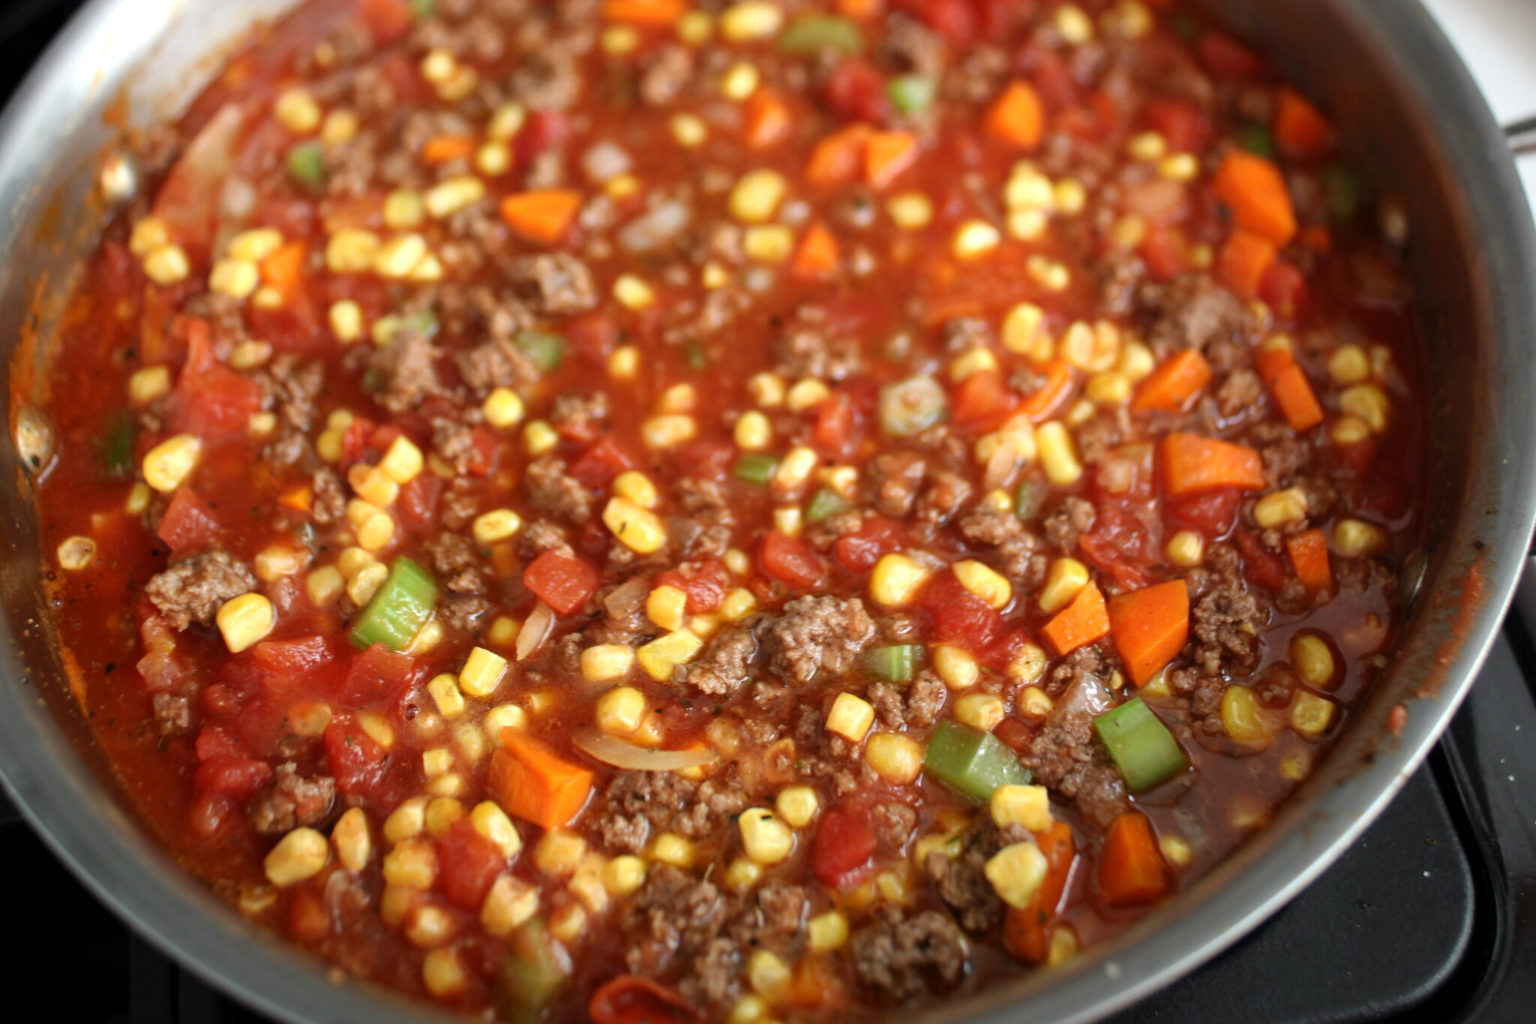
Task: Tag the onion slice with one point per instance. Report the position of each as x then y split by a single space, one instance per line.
627 755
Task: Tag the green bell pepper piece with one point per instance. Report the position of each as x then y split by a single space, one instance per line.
973 762
811 32
894 664
532 973
755 468
306 164
1140 745
399 609
546 350
824 504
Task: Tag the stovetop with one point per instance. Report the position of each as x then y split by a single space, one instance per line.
1430 916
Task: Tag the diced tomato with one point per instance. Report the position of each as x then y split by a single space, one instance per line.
1284 289
386 20
706 459
417 503
958 615
856 90
1263 566
955 20
467 865
544 130
593 336
214 742
234 777
982 401
1118 543
1185 128
1051 78
286 666
561 581
634 999
1209 512
308 921
1222 55
836 428
842 852
1163 250
705 585
115 271
354 442
210 399
603 460
378 677
189 523
789 560
860 550
356 761
1014 732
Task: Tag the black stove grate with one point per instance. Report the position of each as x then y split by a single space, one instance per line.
1430 916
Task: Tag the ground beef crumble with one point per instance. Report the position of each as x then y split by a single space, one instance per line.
192 590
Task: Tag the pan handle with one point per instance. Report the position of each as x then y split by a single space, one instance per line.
1521 136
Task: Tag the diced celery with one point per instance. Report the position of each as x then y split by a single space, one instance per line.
973 762
1140 745
534 970
399 609
1341 191
894 664
911 406
421 10
117 445
1030 496
810 33
823 504
306 164
755 468
546 350
911 94
1255 138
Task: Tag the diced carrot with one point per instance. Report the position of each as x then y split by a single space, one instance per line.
1024 930
1289 387
982 401
1131 868
1149 627
297 498
1039 405
817 255
1316 238
541 216
1255 190
860 10
1079 623
562 581
284 269
445 148
644 12
1192 464
1178 379
532 782
838 158
1243 259
1016 116
886 155
1309 556
1301 130
386 20
767 120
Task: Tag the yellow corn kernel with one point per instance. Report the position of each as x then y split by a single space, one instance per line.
624 874
149 233
1058 454
633 293
235 278
167 264
406 820
666 606
299 855
985 582
1052 275
442 972
974 238
403 462
506 121
373 527
1146 147
279 560
443 812
1016 873
1240 716
350 836
795 468
412 864
806 394
635 487
1179 167
742 874
737 605
1349 364
751 19
449 197
436 761
324 584
351 251
894 757
1280 507
1071 196
1313 659
346 320
399 256
539 437
482 672
76 553
602 662
972 361
559 852
659 657
249 354
297 111
138 499
1355 538
688 130
637 528
373 485
1028 665
509 903
171 461
910 210
503 631
671 848
568 922
1028 189
768 243
620 710
492 823
756 195
148 384
896 580
1185 549
1108 389
827 931
1093 348
1369 403
1311 714
1349 430
493 159
261 424
1136 360
668 431
739 81
446 694
788 521
367 582
404 209
956 666
797 805
765 838
1027 225
768 975
504 716
982 711
244 620
1026 806
1023 330
850 717
1067 576
1035 702
503 408
354 560
496 525
1296 766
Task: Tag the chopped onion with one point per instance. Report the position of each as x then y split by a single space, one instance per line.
604 161
656 227
536 629
237 198
626 598
627 755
